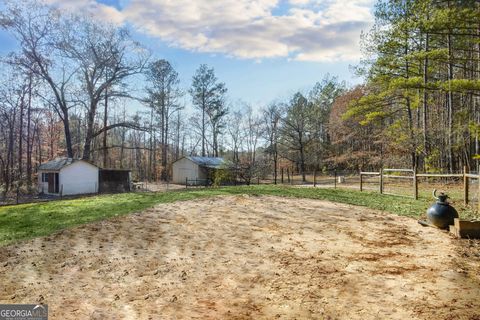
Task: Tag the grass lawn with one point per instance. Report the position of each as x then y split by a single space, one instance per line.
40 219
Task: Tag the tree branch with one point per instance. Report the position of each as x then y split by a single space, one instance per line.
119 125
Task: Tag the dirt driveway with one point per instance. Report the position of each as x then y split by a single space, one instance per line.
241 257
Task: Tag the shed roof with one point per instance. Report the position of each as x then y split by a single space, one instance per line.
208 162
59 163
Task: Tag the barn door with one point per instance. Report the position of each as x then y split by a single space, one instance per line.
184 174
51 182
57 184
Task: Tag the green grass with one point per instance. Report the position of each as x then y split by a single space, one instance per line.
40 219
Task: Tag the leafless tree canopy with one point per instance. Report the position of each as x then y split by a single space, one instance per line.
82 88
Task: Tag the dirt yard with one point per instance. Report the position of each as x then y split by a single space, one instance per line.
241 257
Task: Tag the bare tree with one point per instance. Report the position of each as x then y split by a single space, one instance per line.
105 57
253 127
208 97
296 126
164 93
272 116
73 54
36 27
235 134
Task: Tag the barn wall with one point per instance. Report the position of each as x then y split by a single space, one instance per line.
184 168
79 178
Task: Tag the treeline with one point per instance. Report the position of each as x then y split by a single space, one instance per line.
82 88
420 104
66 91
292 134
68 69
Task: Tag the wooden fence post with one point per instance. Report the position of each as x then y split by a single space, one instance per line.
361 181
415 184
335 181
282 174
186 183
314 178
381 181
478 199
465 185
288 175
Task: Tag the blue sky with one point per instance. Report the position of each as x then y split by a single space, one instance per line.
264 50
256 82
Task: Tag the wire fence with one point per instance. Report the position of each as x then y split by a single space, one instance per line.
462 187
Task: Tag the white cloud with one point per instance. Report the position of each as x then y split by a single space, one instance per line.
307 30
299 2
99 10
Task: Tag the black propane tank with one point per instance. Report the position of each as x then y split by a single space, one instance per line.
441 214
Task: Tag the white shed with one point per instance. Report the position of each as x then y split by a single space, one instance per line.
195 168
67 176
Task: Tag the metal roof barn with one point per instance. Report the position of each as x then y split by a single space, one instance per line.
195 168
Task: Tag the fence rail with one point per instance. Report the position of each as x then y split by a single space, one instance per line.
398 177
441 175
197 182
398 170
414 177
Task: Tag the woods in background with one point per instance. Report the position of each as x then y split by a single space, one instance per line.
82 88
421 96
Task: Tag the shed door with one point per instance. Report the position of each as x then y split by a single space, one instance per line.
51 182
53 185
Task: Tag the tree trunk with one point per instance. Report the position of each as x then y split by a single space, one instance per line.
302 160
275 165
39 145
10 152
204 106
29 138
409 109
89 133
215 143
150 152
164 141
154 156
475 104
450 109
177 143
105 120
20 140
68 135
426 145
165 149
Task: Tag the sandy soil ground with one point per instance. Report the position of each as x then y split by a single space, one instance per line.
241 257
